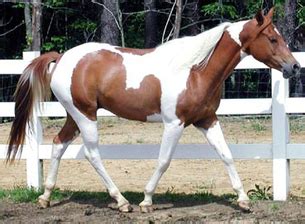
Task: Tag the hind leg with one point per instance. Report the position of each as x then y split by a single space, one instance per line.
89 132
60 143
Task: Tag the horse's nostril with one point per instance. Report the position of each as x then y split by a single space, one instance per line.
296 67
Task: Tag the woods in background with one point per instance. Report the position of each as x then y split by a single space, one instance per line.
61 24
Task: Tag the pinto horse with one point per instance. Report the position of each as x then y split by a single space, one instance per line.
179 83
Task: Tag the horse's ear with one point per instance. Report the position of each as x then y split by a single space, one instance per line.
259 17
270 13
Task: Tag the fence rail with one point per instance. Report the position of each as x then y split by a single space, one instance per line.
280 151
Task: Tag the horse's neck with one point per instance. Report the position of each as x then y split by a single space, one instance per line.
224 59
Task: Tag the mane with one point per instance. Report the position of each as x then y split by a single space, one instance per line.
189 51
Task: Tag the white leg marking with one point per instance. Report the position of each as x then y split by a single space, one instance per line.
89 132
171 135
57 152
216 139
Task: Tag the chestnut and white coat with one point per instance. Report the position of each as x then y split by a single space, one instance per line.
178 83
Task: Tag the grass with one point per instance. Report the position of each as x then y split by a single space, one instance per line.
260 193
297 124
274 207
20 195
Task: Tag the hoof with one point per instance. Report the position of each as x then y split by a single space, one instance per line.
43 203
125 208
146 208
244 205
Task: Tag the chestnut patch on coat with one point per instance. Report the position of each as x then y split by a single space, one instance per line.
198 103
99 81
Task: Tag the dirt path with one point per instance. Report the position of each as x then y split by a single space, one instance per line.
188 176
82 211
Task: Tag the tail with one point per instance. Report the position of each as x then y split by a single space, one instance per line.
32 87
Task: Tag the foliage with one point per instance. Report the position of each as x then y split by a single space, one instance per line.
259 193
55 3
80 25
134 28
56 43
301 12
253 6
217 9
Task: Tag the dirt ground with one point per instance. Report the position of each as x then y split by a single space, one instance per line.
188 176
82 211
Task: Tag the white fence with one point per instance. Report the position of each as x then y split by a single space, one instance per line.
280 151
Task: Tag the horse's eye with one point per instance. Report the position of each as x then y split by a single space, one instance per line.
273 40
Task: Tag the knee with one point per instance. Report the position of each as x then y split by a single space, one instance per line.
91 154
163 165
58 150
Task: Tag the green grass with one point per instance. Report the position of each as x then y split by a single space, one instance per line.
274 207
260 193
19 195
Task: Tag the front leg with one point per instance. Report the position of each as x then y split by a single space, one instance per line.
171 135
215 137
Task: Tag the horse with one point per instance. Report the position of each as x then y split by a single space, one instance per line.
178 83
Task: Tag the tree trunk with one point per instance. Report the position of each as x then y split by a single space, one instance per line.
288 33
177 24
36 25
192 14
28 25
109 22
151 28
290 23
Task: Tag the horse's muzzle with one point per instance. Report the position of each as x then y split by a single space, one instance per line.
291 70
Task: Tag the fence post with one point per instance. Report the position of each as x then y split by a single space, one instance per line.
280 136
33 140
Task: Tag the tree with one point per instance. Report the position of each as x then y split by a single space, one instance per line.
290 23
178 16
288 32
151 28
192 16
110 22
33 24
36 25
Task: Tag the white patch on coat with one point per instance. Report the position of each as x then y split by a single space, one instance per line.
154 118
235 30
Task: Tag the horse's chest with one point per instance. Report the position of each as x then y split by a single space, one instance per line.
194 105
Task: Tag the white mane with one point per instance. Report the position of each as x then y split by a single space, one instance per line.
189 51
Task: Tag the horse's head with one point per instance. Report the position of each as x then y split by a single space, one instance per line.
262 40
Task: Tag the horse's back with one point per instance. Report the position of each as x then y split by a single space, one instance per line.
93 76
